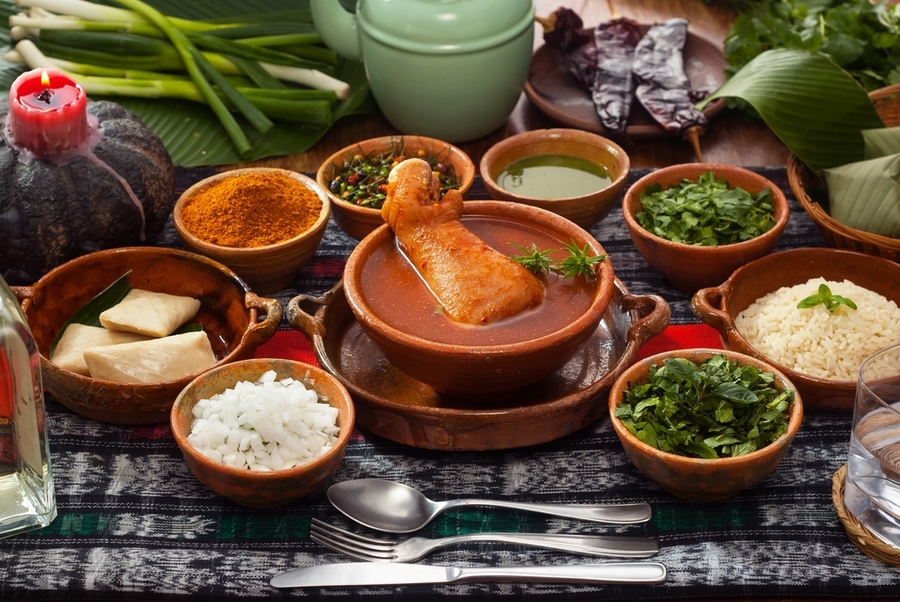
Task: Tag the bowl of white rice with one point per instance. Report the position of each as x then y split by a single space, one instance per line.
819 349
263 432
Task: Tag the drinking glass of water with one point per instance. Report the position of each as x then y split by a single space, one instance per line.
872 486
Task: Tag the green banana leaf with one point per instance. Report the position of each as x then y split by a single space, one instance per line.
865 195
881 142
190 131
816 108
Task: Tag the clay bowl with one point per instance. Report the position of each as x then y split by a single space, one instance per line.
586 209
268 268
690 267
719 306
236 320
482 370
702 479
359 221
262 490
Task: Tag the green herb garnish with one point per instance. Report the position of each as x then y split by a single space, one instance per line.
579 262
706 212
826 298
714 409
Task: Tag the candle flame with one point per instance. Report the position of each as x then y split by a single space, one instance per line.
45 79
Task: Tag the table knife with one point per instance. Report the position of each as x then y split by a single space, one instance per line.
350 574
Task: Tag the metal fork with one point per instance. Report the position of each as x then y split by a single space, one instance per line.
415 548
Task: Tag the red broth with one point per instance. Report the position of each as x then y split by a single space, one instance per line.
401 298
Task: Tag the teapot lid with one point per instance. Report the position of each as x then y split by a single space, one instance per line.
444 26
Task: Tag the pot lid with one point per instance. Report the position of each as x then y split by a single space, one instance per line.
444 26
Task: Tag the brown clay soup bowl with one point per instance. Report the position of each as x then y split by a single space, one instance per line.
397 311
236 320
719 306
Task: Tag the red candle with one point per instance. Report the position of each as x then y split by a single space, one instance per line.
48 112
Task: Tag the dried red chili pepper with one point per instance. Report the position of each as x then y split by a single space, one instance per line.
663 88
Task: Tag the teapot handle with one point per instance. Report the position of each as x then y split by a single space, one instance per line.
337 27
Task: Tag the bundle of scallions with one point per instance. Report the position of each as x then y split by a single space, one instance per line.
260 70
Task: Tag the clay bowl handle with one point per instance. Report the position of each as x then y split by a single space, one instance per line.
306 322
654 314
22 292
261 331
707 305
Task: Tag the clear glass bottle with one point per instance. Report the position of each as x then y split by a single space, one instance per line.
27 499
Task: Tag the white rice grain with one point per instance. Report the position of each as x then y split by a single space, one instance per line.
265 425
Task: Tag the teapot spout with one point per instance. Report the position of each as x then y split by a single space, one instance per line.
337 27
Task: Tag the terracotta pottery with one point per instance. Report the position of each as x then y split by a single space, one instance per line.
394 405
262 490
719 306
691 267
481 370
702 479
236 320
269 268
584 210
358 221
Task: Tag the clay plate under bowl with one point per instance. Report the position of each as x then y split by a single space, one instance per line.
236 320
585 210
555 92
269 268
691 267
719 306
702 479
394 405
358 221
262 490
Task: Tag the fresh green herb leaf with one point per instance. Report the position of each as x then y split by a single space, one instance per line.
825 297
533 259
705 213
89 314
579 262
717 408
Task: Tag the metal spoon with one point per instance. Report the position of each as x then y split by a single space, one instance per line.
397 508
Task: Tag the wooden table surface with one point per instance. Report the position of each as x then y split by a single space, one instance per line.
730 138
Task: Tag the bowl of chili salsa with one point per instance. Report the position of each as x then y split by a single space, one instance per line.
355 177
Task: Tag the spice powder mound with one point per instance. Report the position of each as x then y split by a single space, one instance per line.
251 210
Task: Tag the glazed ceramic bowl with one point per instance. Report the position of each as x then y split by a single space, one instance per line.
702 479
482 370
691 267
236 320
359 221
275 488
584 209
268 268
719 306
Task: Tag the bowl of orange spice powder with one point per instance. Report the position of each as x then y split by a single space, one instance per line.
264 223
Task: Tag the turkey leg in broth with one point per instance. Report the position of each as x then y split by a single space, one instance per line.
474 283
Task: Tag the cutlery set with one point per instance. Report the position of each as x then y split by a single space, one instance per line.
395 508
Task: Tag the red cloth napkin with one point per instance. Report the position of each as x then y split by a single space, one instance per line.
293 345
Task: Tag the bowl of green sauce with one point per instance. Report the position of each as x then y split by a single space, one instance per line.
572 173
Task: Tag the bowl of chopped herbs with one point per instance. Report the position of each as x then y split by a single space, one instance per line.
704 424
355 177
698 222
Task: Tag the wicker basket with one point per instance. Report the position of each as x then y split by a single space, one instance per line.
887 103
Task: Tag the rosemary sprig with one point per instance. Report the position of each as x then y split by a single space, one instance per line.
579 262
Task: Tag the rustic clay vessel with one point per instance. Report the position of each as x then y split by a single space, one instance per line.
702 479
719 306
359 221
236 320
584 210
394 405
269 268
691 267
485 370
253 489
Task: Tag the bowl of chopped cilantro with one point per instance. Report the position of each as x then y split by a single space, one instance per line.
355 177
705 424
698 222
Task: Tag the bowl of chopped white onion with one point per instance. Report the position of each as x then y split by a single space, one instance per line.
263 432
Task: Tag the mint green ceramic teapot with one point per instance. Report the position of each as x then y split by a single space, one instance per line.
448 69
